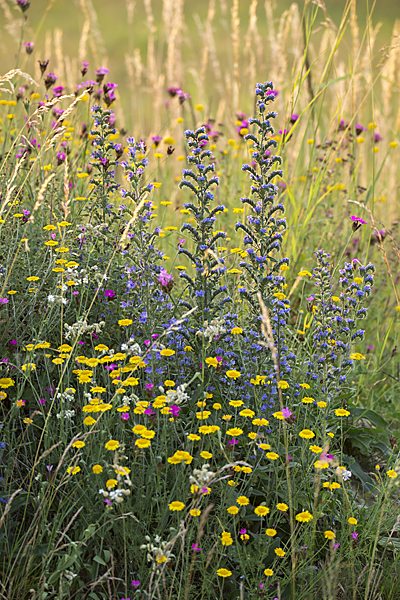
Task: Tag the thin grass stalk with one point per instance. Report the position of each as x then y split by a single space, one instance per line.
235 23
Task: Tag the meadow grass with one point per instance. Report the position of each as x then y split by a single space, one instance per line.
190 407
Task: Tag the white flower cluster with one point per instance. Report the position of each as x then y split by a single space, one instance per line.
67 394
177 396
117 495
81 327
156 553
201 477
212 330
67 414
131 347
93 272
56 299
126 400
344 474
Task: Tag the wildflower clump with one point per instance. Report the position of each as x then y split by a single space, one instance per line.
187 432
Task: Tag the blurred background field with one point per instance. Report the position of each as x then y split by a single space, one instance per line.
150 44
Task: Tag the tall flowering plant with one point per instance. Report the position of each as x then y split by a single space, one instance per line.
263 231
205 289
104 159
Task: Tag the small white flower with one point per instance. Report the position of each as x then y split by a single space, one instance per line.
346 475
50 298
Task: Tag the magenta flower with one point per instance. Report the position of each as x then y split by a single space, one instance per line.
166 281
164 278
28 47
23 5
60 158
354 535
358 220
84 68
359 128
108 502
287 413
3 300
195 548
109 293
125 416
135 583
58 91
50 80
100 73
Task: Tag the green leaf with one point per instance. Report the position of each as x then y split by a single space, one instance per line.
107 555
370 415
99 560
366 480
